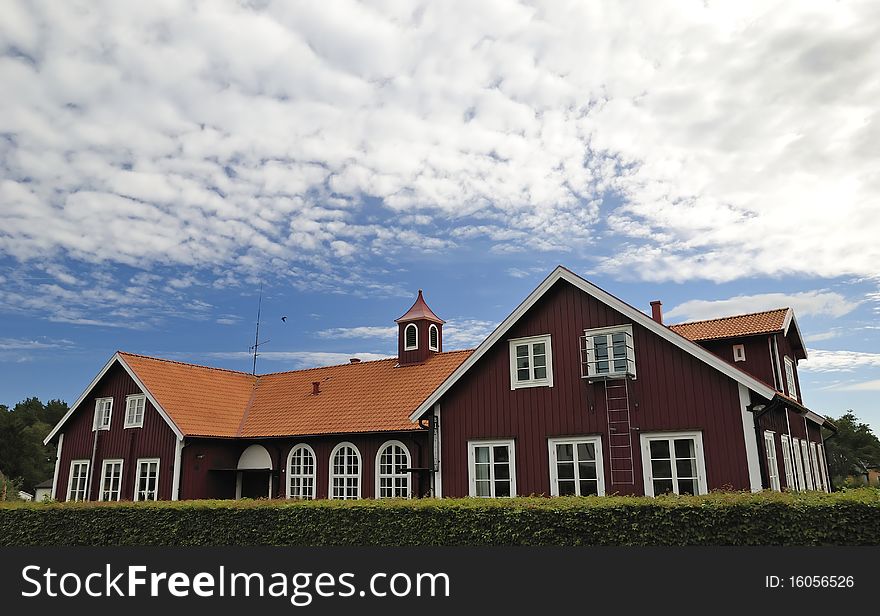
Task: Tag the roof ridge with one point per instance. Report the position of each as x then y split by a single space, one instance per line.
732 316
184 363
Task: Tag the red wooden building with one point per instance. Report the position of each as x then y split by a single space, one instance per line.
576 392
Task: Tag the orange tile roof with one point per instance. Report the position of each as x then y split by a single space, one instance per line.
374 396
751 324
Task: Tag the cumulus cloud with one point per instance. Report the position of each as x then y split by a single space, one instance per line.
807 303
297 360
665 141
839 361
362 332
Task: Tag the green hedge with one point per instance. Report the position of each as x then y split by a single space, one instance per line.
845 518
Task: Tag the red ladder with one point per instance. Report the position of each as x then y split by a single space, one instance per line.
619 432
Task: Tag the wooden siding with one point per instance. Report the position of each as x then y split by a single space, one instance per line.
207 463
758 362
674 391
154 440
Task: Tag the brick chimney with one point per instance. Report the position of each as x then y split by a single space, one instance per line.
657 311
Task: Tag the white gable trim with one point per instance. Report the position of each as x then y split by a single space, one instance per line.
116 358
637 316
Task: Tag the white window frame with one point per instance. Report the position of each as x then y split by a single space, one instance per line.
823 467
799 463
814 460
104 466
99 408
140 399
392 476
808 470
772 461
790 382
647 476
407 347
589 334
311 495
137 477
739 352
787 462
84 488
596 441
472 472
433 328
548 355
345 476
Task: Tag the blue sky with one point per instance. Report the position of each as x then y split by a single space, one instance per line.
158 162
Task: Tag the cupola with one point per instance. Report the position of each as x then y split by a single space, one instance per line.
419 334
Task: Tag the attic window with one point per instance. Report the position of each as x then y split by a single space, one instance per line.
433 338
134 411
411 337
608 352
789 378
103 411
739 352
531 362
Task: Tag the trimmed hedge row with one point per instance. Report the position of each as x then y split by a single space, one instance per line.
845 518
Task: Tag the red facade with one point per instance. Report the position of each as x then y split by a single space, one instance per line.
154 440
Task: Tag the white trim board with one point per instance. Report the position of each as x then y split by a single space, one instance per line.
117 357
637 316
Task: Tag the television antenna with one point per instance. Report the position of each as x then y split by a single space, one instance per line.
257 344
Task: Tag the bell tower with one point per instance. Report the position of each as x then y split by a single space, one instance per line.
419 333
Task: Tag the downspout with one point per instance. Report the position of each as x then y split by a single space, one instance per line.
791 452
92 465
430 465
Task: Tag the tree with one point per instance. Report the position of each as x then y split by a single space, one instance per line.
23 457
853 450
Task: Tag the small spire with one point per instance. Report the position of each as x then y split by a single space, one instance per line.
420 310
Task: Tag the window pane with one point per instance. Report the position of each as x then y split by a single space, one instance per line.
522 350
502 488
567 488
587 470
565 470
659 449
686 468
564 452
684 448
502 471
501 453
522 375
483 488
620 365
522 362
589 488
687 486
662 486
538 348
481 472
661 469
540 361
481 454
586 451
540 373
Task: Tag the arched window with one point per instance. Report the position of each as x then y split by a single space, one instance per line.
411 337
433 338
301 472
392 481
345 472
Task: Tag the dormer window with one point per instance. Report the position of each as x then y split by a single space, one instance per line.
411 337
531 362
433 338
608 352
739 352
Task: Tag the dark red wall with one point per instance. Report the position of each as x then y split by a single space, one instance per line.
758 361
154 440
674 391
199 481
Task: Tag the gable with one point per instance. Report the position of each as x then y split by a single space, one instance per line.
609 303
116 363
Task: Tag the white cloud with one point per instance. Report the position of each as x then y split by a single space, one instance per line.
26 344
807 303
863 386
298 360
363 332
465 333
839 361
670 141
